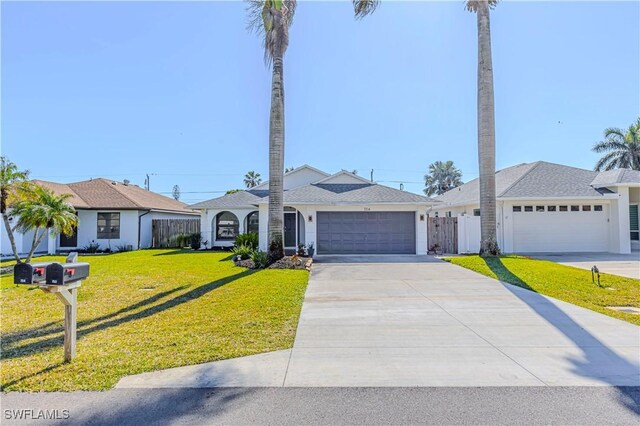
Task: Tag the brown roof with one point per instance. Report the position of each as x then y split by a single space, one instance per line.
107 194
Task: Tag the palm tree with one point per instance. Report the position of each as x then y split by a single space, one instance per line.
486 129
486 120
442 177
271 19
14 184
45 211
252 179
622 148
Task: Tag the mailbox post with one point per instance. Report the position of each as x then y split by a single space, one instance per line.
63 281
68 295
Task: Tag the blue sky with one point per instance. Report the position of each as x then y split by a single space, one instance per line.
180 90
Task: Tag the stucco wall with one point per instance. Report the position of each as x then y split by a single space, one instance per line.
88 229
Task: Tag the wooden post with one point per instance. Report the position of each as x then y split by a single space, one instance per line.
68 295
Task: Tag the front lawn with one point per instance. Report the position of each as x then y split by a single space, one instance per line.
572 285
146 310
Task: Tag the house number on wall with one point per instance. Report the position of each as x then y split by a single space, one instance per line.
367 209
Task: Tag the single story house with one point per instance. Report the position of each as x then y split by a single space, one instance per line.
341 213
547 207
110 214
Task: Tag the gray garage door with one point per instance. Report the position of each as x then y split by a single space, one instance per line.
366 233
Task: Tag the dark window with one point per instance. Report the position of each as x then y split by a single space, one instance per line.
575 208
108 226
448 214
551 208
597 208
476 212
539 208
633 222
253 222
564 208
528 208
227 226
586 208
517 208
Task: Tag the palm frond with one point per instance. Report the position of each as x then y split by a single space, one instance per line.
270 20
608 145
362 8
473 5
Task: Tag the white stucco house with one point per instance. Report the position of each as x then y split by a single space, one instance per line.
339 213
546 207
110 213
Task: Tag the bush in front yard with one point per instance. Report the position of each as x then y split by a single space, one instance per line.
250 239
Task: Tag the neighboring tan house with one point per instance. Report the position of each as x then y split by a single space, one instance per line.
546 207
110 213
340 214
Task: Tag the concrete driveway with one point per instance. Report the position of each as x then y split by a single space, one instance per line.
625 265
418 321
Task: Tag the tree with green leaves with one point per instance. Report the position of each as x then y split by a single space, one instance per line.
621 148
271 19
252 179
45 212
14 186
442 177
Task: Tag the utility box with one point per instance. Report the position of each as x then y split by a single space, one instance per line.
30 273
59 274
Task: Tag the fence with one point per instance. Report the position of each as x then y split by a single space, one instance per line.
442 232
165 231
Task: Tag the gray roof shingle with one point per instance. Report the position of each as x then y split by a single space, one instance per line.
351 193
321 193
236 200
617 176
531 180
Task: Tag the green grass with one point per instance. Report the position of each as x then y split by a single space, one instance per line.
146 310
566 283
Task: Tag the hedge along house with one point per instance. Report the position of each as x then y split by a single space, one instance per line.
110 214
547 207
341 213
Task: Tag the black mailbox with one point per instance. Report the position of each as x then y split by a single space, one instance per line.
30 273
58 274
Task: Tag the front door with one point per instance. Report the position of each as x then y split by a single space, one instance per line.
290 237
71 241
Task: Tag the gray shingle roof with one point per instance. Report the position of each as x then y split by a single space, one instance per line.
613 177
352 193
321 193
237 200
531 180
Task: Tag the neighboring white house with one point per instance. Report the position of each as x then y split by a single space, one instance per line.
340 214
546 207
110 213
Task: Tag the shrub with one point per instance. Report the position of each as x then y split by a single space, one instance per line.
244 252
91 248
182 240
260 259
123 248
195 240
250 239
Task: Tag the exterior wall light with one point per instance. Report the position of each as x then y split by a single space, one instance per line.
310 218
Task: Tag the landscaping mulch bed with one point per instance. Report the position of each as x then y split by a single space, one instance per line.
287 262
291 262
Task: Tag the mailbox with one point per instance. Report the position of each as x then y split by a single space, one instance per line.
58 274
30 273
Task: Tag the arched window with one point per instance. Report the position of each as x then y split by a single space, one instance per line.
253 221
227 226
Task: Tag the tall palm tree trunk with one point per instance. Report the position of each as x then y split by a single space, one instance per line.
276 162
486 135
